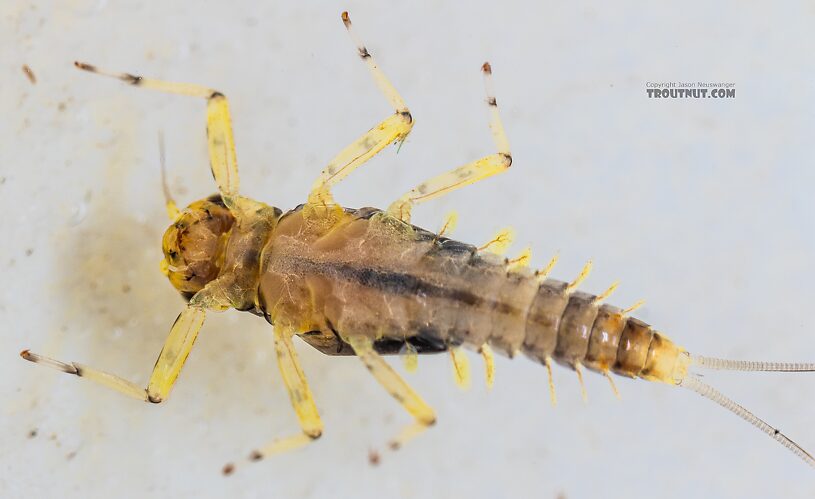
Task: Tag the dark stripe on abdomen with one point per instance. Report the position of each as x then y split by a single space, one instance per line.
397 283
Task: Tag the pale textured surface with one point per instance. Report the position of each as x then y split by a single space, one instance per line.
702 207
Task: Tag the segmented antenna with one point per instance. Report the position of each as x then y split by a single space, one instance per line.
693 383
172 209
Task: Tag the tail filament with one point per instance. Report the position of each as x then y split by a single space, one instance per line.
694 383
707 391
748 365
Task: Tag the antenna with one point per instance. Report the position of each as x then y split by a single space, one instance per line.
172 210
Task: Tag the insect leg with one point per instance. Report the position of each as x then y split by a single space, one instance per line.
395 128
463 175
397 387
220 140
301 399
170 361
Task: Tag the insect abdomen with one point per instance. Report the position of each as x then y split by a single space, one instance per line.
572 328
377 277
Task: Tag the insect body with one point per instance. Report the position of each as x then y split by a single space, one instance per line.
367 282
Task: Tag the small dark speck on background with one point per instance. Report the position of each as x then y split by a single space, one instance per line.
32 433
228 469
29 74
70 455
29 252
374 458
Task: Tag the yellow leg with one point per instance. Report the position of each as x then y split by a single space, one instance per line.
489 364
220 140
301 399
397 387
463 175
170 361
395 128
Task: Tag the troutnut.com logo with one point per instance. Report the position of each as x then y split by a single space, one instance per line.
690 90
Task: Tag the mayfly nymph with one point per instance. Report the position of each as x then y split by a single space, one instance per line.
366 282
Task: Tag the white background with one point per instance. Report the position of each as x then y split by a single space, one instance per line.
700 206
